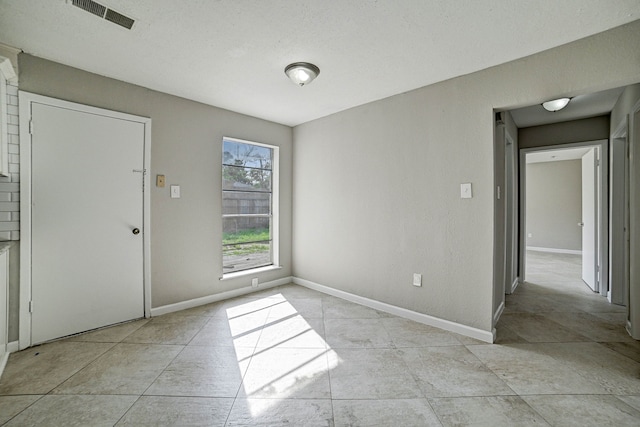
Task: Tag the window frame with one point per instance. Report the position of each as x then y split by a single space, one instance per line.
275 209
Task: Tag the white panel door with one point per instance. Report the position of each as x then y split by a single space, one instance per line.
87 203
589 230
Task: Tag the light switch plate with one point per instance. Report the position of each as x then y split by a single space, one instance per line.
175 191
465 191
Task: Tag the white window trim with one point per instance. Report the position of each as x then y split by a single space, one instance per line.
275 212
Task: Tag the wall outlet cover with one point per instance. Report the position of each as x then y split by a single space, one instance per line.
417 279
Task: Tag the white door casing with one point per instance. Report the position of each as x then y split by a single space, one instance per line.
589 219
84 194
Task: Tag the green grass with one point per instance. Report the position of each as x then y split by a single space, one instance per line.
246 236
244 240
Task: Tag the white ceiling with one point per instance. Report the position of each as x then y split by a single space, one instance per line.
232 53
557 155
581 106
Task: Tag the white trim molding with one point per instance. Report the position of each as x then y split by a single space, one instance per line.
479 334
498 313
196 302
554 250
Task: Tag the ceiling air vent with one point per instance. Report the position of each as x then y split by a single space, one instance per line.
104 12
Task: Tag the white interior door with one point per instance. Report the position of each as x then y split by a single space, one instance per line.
86 205
589 230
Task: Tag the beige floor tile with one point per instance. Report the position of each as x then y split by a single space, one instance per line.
125 369
539 328
10 406
78 411
492 411
591 326
384 412
168 330
451 372
112 334
40 369
407 333
155 411
281 412
615 373
242 330
633 401
292 373
583 411
370 374
528 369
336 308
294 331
203 372
309 308
356 333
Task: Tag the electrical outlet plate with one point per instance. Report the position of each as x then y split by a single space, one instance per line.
160 181
254 282
417 279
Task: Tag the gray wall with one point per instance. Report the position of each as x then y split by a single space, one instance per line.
590 129
554 205
186 147
623 109
377 196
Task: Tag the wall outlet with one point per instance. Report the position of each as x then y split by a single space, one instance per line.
254 282
529 235
417 279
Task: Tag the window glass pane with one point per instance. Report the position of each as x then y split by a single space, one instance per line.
246 243
241 154
238 202
245 256
245 179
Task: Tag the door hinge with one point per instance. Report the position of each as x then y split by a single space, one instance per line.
30 306
31 127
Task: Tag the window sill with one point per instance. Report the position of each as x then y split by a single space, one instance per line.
242 273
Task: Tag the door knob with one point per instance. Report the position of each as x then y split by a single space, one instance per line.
136 231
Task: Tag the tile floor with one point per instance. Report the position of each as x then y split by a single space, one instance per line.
292 356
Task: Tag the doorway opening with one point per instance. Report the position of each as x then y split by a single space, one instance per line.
565 211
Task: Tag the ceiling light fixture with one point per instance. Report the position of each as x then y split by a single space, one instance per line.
301 73
556 104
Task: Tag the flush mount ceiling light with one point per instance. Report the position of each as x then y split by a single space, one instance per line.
556 104
301 73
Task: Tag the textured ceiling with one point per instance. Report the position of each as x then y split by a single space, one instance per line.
232 53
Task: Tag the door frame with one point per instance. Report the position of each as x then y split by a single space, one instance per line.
26 99
603 210
619 215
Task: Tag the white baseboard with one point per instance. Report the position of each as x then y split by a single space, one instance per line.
554 250
13 346
447 325
3 362
183 305
498 313
515 284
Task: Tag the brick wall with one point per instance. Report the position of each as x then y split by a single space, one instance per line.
10 185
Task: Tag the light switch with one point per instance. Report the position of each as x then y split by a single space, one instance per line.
159 180
465 191
175 191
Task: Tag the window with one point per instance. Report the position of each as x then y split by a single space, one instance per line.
249 205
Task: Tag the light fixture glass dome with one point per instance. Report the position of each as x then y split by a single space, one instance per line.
301 73
556 104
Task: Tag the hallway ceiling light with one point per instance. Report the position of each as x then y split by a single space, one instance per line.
556 104
301 73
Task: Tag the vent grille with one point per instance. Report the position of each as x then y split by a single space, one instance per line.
91 7
118 18
104 13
